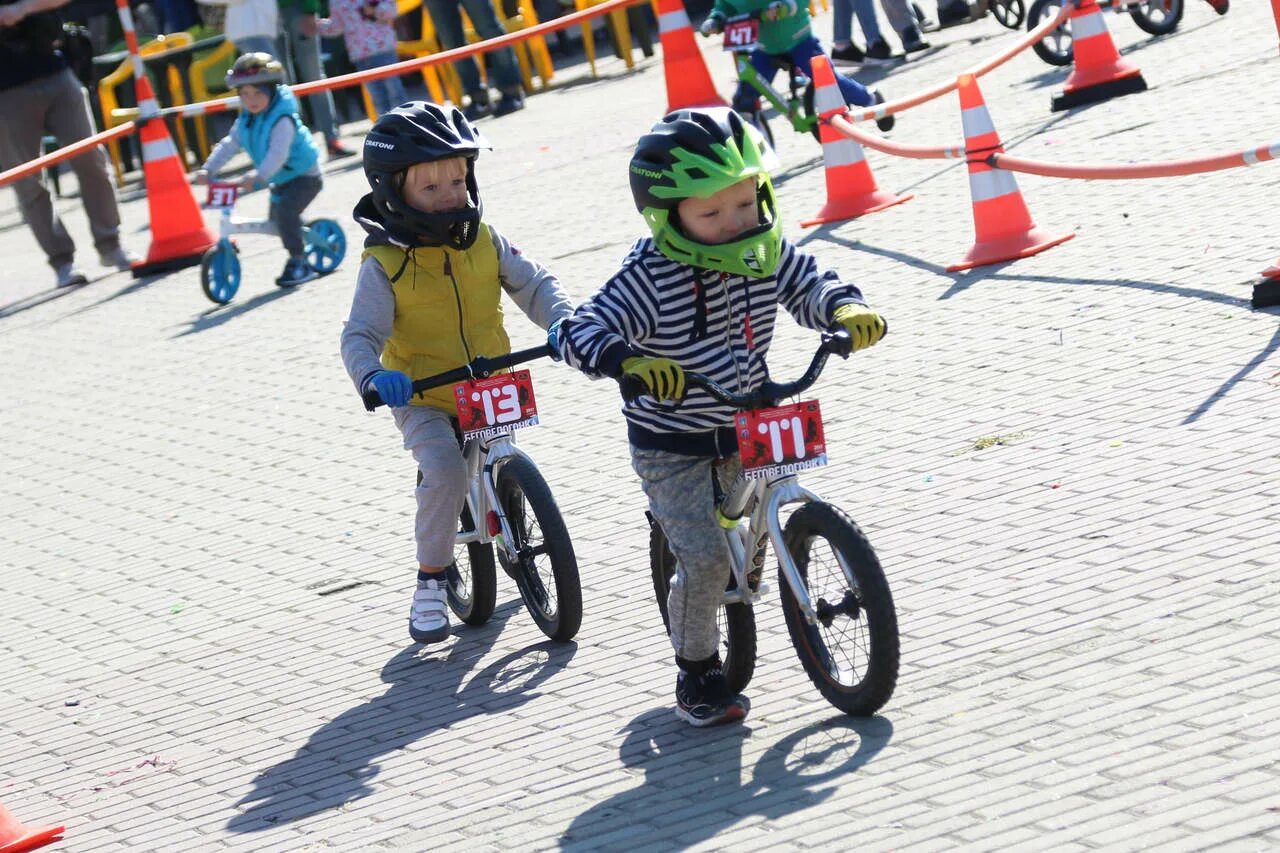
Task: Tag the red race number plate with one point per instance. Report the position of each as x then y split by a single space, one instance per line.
741 35
781 440
496 405
222 194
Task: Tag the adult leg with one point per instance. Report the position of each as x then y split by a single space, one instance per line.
866 12
448 22
23 112
502 62
305 52
70 121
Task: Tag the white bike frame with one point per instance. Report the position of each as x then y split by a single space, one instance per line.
484 459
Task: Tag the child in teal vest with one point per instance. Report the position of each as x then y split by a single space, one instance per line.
284 155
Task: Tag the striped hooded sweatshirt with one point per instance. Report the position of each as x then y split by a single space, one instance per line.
709 322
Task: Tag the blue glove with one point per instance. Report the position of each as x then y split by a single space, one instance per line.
553 339
395 388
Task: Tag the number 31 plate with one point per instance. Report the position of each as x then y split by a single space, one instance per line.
781 440
496 405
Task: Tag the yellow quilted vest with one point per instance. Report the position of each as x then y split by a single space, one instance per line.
448 311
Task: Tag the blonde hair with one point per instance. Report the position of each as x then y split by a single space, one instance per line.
435 171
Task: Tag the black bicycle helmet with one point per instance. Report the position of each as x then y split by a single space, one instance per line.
422 132
696 153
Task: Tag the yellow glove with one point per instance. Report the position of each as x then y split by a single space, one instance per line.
661 376
865 326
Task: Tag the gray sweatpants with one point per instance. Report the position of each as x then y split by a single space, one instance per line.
428 435
56 105
682 499
288 200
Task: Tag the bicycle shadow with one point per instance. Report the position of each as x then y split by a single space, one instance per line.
1221 391
213 317
337 763
693 787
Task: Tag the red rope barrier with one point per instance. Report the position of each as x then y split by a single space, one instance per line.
75 149
1167 169
899 149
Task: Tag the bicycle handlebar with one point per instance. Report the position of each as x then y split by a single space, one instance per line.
479 368
834 342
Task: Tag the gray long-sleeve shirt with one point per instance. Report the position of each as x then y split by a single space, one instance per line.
535 291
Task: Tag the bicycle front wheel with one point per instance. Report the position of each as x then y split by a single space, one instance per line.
1157 17
851 653
736 622
545 568
220 272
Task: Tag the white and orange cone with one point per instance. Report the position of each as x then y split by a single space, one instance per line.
1003 224
16 836
851 188
1267 292
688 81
1099 72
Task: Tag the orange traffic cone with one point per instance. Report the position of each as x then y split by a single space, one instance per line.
179 236
1267 292
14 836
851 188
688 81
1099 72
1003 224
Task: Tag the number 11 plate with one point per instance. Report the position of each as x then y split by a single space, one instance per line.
781 440
495 405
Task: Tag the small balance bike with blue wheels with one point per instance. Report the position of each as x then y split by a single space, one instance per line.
220 268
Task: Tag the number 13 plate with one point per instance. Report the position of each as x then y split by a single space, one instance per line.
781 440
496 405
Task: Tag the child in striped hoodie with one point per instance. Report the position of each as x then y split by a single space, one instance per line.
701 294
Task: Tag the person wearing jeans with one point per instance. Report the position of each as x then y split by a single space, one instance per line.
845 52
504 72
302 48
366 29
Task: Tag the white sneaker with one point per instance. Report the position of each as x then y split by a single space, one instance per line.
119 258
429 614
69 274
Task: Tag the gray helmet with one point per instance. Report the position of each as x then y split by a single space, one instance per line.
254 69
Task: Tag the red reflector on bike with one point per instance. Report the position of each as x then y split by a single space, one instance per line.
494 527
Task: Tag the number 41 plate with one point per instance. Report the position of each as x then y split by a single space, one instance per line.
781 440
496 405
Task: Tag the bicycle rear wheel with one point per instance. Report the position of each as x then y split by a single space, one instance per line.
737 622
851 653
1055 48
757 119
545 570
1157 17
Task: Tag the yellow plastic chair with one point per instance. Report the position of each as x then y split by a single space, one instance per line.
113 115
441 80
530 53
617 22
223 54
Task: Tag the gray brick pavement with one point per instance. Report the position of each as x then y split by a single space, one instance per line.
1086 609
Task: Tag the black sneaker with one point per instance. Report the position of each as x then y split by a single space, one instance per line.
1266 293
887 122
847 55
954 12
509 103
479 107
296 271
880 54
912 41
705 700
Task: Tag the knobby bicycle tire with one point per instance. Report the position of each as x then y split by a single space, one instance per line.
852 658
546 552
737 622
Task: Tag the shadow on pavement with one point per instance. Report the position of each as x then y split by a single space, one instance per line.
216 316
1240 374
338 761
694 785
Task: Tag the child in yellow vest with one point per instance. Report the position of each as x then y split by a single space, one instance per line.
428 299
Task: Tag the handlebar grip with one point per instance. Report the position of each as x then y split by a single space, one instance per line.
632 387
372 399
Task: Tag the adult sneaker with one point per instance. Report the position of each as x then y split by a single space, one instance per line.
885 123
912 42
955 12
508 103
879 53
119 258
296 271
848 54
70 275
337 150
429 614
705 699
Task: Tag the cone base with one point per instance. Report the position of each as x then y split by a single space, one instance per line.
1023 245
852 208
176 253
1266 293
150 267
1090 94
1271 272
32 837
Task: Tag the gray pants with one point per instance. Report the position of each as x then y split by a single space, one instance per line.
428 435
288 200
682 499
57 105
304 62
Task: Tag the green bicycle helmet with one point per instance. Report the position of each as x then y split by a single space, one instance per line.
696 153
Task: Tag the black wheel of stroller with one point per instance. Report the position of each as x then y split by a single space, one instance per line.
1055 48
737 622
1010 13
